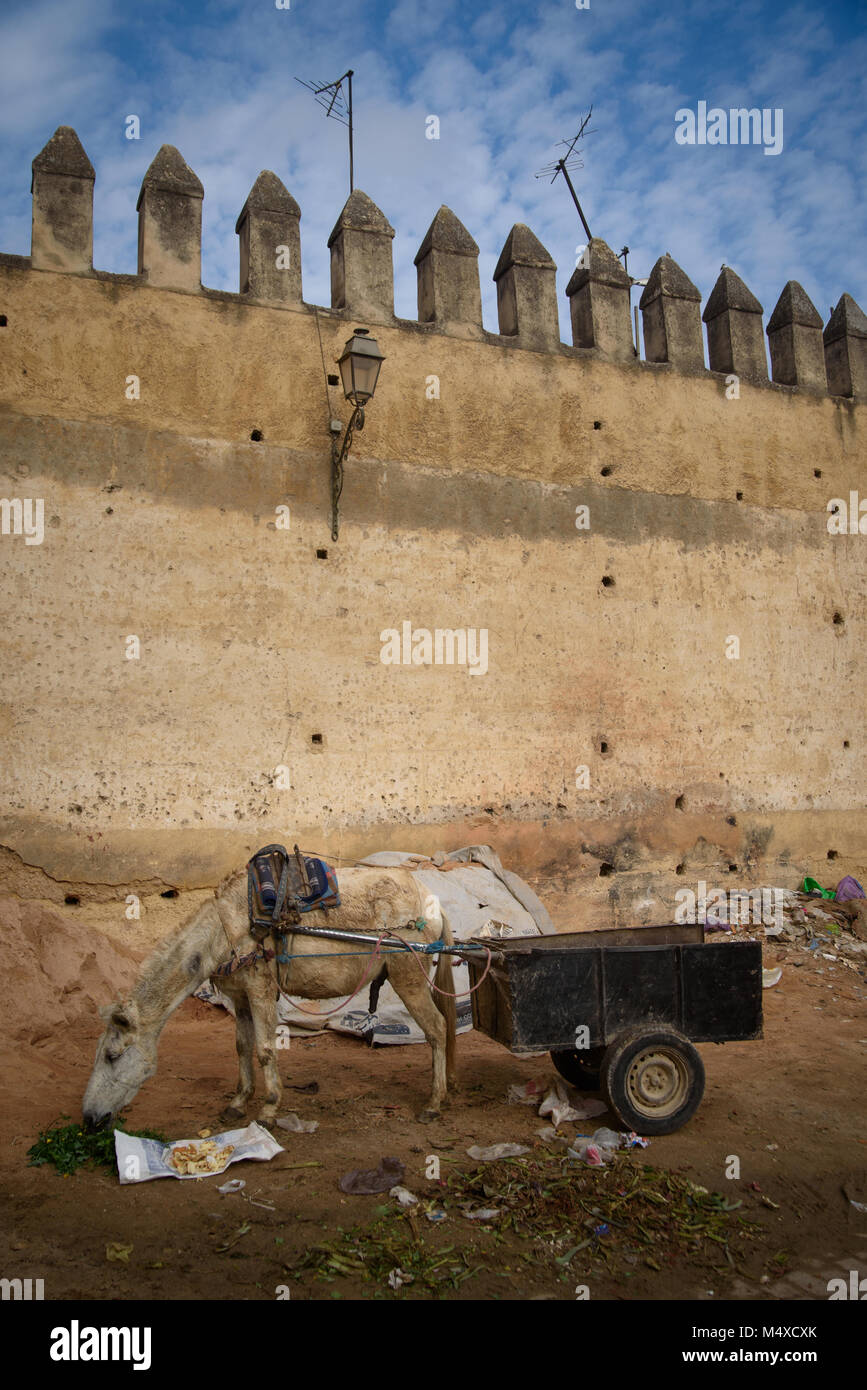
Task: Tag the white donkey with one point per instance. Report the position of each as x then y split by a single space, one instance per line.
373 900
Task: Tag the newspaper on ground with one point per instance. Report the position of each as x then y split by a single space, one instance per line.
140 1160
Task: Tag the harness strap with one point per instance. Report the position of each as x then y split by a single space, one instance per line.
229 967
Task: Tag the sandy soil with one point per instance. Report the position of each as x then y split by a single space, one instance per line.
792 1107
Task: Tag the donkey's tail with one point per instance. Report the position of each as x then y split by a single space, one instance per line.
445 1000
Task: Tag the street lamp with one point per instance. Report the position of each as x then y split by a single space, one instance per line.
359 371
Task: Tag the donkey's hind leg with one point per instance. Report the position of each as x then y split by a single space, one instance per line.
411 986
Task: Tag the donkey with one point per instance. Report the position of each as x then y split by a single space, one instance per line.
372 900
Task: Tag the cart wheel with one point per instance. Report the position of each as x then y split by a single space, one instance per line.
654 1081
580 1069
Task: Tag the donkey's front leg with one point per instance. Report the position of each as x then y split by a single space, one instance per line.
244 1039
265 1030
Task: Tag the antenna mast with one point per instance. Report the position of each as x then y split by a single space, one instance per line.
570 160
331 98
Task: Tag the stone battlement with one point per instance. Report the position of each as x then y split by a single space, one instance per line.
832 361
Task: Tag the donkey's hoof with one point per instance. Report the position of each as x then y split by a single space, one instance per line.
231 1114
266 1120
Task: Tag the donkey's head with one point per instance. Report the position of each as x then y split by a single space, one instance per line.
126 1055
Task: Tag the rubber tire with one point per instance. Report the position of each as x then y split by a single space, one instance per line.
580 1069
615 1077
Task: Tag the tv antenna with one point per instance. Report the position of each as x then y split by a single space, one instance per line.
570 160
331 98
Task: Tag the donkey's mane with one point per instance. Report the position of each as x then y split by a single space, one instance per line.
229 881
179 963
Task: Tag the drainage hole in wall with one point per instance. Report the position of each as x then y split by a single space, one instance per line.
817 472
845 743
832 854
3 320
739 496
597 424
333 380
605 870
322 554
606 471
731 820
72 900
608 581
315 738
603 746
680 868
678 801
169 893
257 436
839 619
733 868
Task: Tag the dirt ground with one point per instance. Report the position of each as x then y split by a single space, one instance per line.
791 1107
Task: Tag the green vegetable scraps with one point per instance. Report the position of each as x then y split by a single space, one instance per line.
614 1218
69 1147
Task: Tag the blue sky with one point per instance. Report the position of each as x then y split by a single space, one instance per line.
507 81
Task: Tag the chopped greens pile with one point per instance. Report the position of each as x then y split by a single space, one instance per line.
70 1146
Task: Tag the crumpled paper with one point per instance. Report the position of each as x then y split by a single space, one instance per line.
530 1093
561 1109
403 1195
294 1125
495 1151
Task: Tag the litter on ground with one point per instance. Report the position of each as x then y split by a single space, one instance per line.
496 1151
365 1182
403 1195
294 1125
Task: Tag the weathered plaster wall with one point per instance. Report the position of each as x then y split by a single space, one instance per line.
458 512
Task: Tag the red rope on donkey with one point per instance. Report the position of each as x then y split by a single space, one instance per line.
315 1013
465 994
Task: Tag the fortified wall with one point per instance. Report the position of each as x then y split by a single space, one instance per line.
663 679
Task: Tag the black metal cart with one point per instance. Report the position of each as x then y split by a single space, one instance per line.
619 1011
